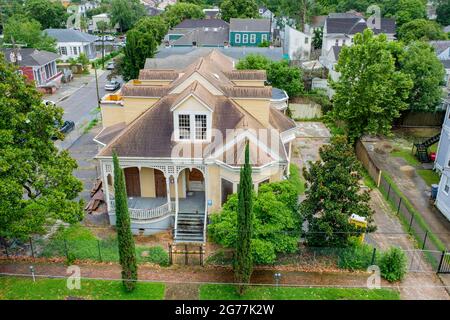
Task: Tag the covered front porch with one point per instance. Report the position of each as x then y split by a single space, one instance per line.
160 193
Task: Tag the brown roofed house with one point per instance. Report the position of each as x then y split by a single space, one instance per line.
180 136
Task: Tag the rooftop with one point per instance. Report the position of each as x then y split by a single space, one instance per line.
70 35
32 57
262 25
349 23
201 23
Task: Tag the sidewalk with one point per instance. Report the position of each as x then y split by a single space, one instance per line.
190 277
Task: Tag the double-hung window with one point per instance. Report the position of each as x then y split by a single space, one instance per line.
200 126
184 126
264 37
245 38
447 185
253 38
237 38
63 51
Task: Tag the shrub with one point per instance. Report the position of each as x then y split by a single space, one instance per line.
263 252
356 257
220 257
393 264
157 255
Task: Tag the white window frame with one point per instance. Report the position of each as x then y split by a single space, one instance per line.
237 38
61 49
186 116
197 128
192 126
446 184
253 38
264 37
245 38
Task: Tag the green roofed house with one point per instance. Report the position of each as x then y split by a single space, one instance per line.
249 32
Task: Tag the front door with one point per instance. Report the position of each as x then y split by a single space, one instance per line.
132 182
196 181
160 184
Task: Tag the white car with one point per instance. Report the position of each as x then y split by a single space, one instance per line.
48 103
112 85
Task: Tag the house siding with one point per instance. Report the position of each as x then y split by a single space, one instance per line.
443 198
258 35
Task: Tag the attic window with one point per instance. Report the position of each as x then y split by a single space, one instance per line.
184 126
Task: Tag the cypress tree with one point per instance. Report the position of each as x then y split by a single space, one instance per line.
127 252
243 264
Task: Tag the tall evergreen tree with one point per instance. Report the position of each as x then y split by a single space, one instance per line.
244 262
127 252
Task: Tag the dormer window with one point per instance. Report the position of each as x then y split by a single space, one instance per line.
200 126
184 126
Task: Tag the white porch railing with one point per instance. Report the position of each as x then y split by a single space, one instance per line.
146 214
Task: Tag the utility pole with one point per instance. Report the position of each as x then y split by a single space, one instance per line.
96 85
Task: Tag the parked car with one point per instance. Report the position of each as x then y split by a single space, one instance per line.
49 103
67 127
112 85
110 65
110 38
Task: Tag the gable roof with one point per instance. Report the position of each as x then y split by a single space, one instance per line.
201 23
246 75
261 25
70 35
440 46
351 24
203 37
32 57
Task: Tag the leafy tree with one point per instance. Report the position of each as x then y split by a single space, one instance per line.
333 195
84 61
443 13
126 13
50 14
421 29
317 38
142 43
370 92
103 8
408 10
243 266
36 181
201 3
279 73
157 25
238 9
28 32
393 264
127 251
102 26
276 224
426 71
178 12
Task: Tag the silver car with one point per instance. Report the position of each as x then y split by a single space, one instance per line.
112 85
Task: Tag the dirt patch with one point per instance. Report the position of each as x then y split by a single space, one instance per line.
182 291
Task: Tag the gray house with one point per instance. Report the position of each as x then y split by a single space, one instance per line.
198 33
442 165
71 43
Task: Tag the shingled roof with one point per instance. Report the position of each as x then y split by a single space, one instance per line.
352 24
148 74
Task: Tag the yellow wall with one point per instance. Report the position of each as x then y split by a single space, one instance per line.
213 185
249 83
192 104
112 115
260 109
181 193
147 177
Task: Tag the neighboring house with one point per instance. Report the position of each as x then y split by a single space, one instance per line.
447 29
71 43
431 10
199 33
340 28
249 32
104 17
297 44
181 57
212 13
442 49
180 136
83 7
38 66
442 165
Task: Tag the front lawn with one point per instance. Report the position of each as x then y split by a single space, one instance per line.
228 292
12 288
82 244
429 176
296 178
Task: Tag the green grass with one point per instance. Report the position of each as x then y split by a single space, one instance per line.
296 178
83 245
12 288
228 292
90 125
429 176
407 155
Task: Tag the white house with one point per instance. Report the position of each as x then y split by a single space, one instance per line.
71 43
442 165
105 18
297 44
442 49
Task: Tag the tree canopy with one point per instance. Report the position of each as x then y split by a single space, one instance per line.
50 14
126 13
333 195
238 9
176 13
427 72
279 73
370 92
27 32
36 181
443 12
421 29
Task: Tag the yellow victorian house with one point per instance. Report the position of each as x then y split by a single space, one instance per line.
180 137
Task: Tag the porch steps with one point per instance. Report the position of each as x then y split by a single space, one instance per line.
189 228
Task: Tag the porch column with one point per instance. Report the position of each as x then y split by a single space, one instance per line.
176 196
168 192
105 186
